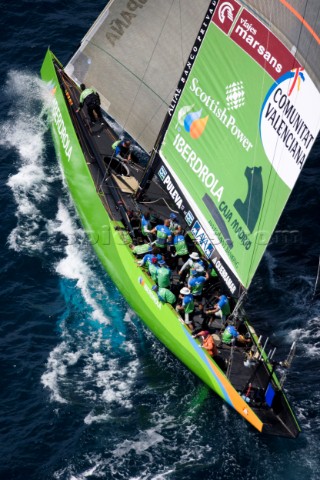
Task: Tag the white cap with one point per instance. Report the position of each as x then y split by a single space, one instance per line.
194 256
185 291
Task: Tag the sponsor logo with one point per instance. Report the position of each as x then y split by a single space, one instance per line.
235 95
196 164
192 121
62 131
226 11
173 192
189 218
254 38
224 274
287 124
256 45
150 293
226 14
262 45
236 100
52 88
118 25
202 238
162 173
298 75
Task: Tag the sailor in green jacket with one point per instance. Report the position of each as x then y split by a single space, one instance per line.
153 269
90 98
163 275
165 295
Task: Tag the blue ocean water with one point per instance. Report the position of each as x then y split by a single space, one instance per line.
86 391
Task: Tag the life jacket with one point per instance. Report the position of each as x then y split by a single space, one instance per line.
162 235
188 304
153 269
224 305
229 333
165 295
180 245
209 343
140 249
163 277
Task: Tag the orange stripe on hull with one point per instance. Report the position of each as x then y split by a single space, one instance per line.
237 401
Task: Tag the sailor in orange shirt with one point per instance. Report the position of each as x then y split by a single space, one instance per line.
208 342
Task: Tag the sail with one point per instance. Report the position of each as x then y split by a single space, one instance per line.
133 55
240 127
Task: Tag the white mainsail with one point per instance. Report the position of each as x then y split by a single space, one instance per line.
134 55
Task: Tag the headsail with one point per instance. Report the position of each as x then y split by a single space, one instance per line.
133 55
240 127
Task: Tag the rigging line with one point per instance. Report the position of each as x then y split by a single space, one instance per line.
315 23
155 201
316 284
301 19
284 2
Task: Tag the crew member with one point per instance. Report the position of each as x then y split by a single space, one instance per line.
163 233
90 98
123 149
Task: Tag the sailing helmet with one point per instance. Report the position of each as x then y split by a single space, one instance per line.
194 256
185 291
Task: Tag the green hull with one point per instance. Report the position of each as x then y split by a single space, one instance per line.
119 262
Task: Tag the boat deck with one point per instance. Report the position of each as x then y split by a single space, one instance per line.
116 182
123 177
